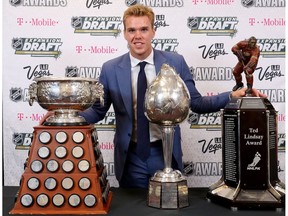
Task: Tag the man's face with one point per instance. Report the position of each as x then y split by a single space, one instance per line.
139 34
252 43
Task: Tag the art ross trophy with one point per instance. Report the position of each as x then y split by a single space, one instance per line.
64 172
167 104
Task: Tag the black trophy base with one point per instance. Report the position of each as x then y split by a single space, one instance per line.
237 198
168 195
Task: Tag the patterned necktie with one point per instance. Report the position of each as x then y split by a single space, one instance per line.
143 137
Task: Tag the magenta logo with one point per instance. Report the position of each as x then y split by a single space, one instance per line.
267 21
96 49
33 117
213 2
37 22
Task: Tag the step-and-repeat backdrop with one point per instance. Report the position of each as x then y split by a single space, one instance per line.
74 38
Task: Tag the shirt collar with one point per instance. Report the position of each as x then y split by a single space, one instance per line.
135 61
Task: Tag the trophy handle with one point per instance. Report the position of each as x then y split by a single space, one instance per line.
32 93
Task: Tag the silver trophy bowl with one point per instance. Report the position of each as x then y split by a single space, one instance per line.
65 96
167 98
167 103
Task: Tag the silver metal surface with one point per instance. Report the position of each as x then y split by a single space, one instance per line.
83 165
33 183
77 152
78 137
167 103
68 166
26 200
58 200
50 183
74 200
168 175
52 165
84 183
61 152
42 200
65 96
43 152
67 183
61 137
36 166
167 98
45 137
90 200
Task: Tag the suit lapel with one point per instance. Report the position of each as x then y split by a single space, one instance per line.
124 78
159 60
124 83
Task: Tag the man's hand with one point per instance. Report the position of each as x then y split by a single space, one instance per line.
241 93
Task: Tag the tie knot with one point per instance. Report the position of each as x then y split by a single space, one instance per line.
142 65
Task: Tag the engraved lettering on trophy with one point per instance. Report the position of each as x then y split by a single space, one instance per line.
252 137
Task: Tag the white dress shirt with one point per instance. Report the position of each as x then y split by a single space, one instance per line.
150 71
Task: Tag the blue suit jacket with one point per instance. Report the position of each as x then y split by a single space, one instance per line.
116 78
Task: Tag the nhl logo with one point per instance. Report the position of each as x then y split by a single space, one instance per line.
17 139
193 118
76 22
130 2
247 3
15 2
188 168
15 94
192 23
71 72
17 43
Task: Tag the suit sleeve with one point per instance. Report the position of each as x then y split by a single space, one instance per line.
199 103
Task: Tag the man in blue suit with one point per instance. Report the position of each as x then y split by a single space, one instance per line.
119 78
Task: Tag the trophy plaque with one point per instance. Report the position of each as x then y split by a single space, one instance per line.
249 154
167 104
64 172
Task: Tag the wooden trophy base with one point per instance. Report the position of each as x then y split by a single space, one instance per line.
64 173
